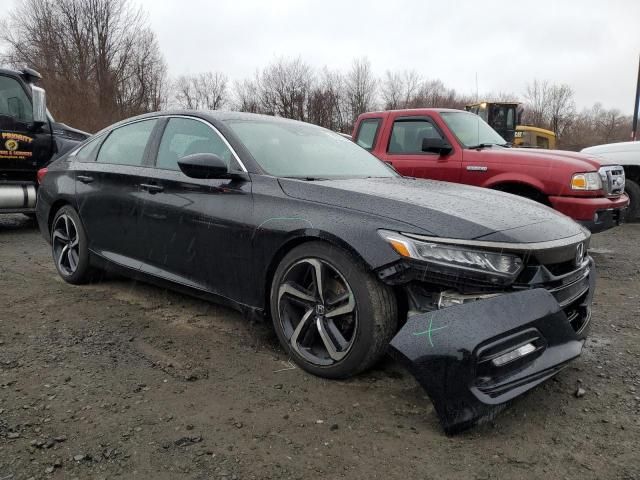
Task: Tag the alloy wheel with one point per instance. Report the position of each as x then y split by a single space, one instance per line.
66 245
318 311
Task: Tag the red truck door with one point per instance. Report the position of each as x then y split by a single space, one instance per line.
400 143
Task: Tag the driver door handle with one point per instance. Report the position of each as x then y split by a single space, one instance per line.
85 178
151 188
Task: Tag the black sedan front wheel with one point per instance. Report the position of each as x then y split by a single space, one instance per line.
331 315
69 246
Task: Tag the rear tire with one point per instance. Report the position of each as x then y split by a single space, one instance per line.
632 189
339 329
69 246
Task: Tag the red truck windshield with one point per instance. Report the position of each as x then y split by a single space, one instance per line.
471 130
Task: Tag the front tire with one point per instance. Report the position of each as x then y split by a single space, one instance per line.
331 315
69 246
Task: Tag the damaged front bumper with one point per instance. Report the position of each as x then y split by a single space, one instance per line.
473 358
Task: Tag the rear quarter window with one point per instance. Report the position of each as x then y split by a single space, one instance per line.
126 145
87 153
367 133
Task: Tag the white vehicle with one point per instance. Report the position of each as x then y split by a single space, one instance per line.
626 154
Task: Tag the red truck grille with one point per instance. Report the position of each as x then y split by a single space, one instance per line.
612 180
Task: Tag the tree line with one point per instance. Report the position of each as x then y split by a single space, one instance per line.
101 62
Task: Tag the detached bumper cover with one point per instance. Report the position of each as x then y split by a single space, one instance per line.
451 352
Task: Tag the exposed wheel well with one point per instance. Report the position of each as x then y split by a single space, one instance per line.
57 205
523 190
632 172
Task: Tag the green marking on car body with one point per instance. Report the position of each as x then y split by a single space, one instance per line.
429 331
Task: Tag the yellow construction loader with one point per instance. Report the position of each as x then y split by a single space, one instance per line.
504 118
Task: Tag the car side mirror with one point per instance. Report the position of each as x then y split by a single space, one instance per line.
436 145
203 165
39 106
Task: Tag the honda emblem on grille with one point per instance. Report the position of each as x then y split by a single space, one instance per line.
579 253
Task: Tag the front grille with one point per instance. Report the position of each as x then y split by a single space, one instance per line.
612 180
569 284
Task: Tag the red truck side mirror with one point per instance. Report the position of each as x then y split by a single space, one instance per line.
436 145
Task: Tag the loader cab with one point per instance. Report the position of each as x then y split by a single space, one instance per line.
501 116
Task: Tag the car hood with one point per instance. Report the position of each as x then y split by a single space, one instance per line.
441 209
622 153
581 162
613 147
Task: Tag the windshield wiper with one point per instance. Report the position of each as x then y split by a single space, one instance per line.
489 144
307 179
482 145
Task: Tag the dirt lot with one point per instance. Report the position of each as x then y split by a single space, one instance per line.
121 379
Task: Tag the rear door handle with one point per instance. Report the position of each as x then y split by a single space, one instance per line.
151 188
85 178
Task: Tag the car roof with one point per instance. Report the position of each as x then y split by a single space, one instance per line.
211 115
410 111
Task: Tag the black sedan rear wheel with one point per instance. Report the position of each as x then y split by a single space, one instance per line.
69 246
331 315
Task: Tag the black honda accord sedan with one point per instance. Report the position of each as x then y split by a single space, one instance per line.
482 295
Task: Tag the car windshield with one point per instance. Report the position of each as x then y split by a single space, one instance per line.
471 130
300 150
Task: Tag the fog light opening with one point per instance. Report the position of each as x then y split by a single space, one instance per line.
515 354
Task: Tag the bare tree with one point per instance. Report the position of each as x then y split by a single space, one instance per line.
361 88
247 95
326 102
537 103
561 108
205 91
99 60
411 81
392 90
284 86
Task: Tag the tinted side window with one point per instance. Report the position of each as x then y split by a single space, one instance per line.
126 145
407 135
88 152
367 133
184 136
14 102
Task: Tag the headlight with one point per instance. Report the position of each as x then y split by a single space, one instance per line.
586 181
483 261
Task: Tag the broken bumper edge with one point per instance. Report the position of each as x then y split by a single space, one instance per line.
458 354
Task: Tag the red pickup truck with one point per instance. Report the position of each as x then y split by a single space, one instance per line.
458 146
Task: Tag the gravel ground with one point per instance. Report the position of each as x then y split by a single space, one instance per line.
124 380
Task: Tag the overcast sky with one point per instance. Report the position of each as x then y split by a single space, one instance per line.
591 45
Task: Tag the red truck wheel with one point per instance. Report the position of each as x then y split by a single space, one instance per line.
632 189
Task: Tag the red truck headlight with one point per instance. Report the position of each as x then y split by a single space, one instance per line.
586 181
